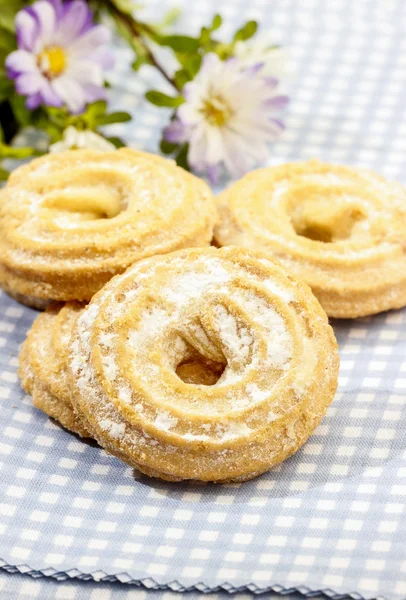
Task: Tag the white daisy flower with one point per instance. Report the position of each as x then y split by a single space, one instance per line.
227 117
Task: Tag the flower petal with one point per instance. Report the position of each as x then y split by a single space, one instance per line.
213 173
254 69
271 82
49 97
85 71
277 102
197 149
21 61
175 132
94 92
26 29
70 92
103 56
33 101
46 18
58 8
277 125
76 18
29 83
86 44
235 160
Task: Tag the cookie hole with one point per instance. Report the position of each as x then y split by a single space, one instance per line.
86 204
328 225
316 234
200 371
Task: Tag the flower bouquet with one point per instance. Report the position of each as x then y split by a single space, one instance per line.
56 57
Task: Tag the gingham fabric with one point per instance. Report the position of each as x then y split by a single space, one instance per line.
332 517
24 587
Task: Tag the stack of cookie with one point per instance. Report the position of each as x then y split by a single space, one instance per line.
194 362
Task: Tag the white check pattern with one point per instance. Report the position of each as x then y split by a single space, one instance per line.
332 517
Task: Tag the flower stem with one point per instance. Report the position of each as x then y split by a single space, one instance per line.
136 29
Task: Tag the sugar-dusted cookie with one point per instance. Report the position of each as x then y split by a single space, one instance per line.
342 230
70 221
43 361
203 364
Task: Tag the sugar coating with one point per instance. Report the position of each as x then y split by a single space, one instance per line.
254 392
279 344
189 314
165 421
236 430
239 341
194 285
116 430
152 321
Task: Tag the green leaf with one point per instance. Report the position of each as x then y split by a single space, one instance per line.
205 33
7 17
160 99
181 77
58 116
6 86
179 43
8 42
170 18
224 51
21 113
139 62
216 23
181 158
193 64
96 108
115 117
246 32
54 133
53 121
205 39
167 147
140 52
118 142
17 153
3 174
43 122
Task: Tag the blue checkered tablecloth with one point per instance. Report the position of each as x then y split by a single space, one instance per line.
332 518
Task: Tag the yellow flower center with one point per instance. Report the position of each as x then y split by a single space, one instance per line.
216 110
52 61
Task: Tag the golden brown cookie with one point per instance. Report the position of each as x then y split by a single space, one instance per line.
342 230
203 364
70 221
43 359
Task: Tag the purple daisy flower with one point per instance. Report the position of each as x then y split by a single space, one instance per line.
62 55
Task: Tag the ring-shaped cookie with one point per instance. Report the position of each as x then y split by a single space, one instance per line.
342 230
203 364
43 364
70 221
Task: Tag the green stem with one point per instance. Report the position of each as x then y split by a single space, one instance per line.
136 29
